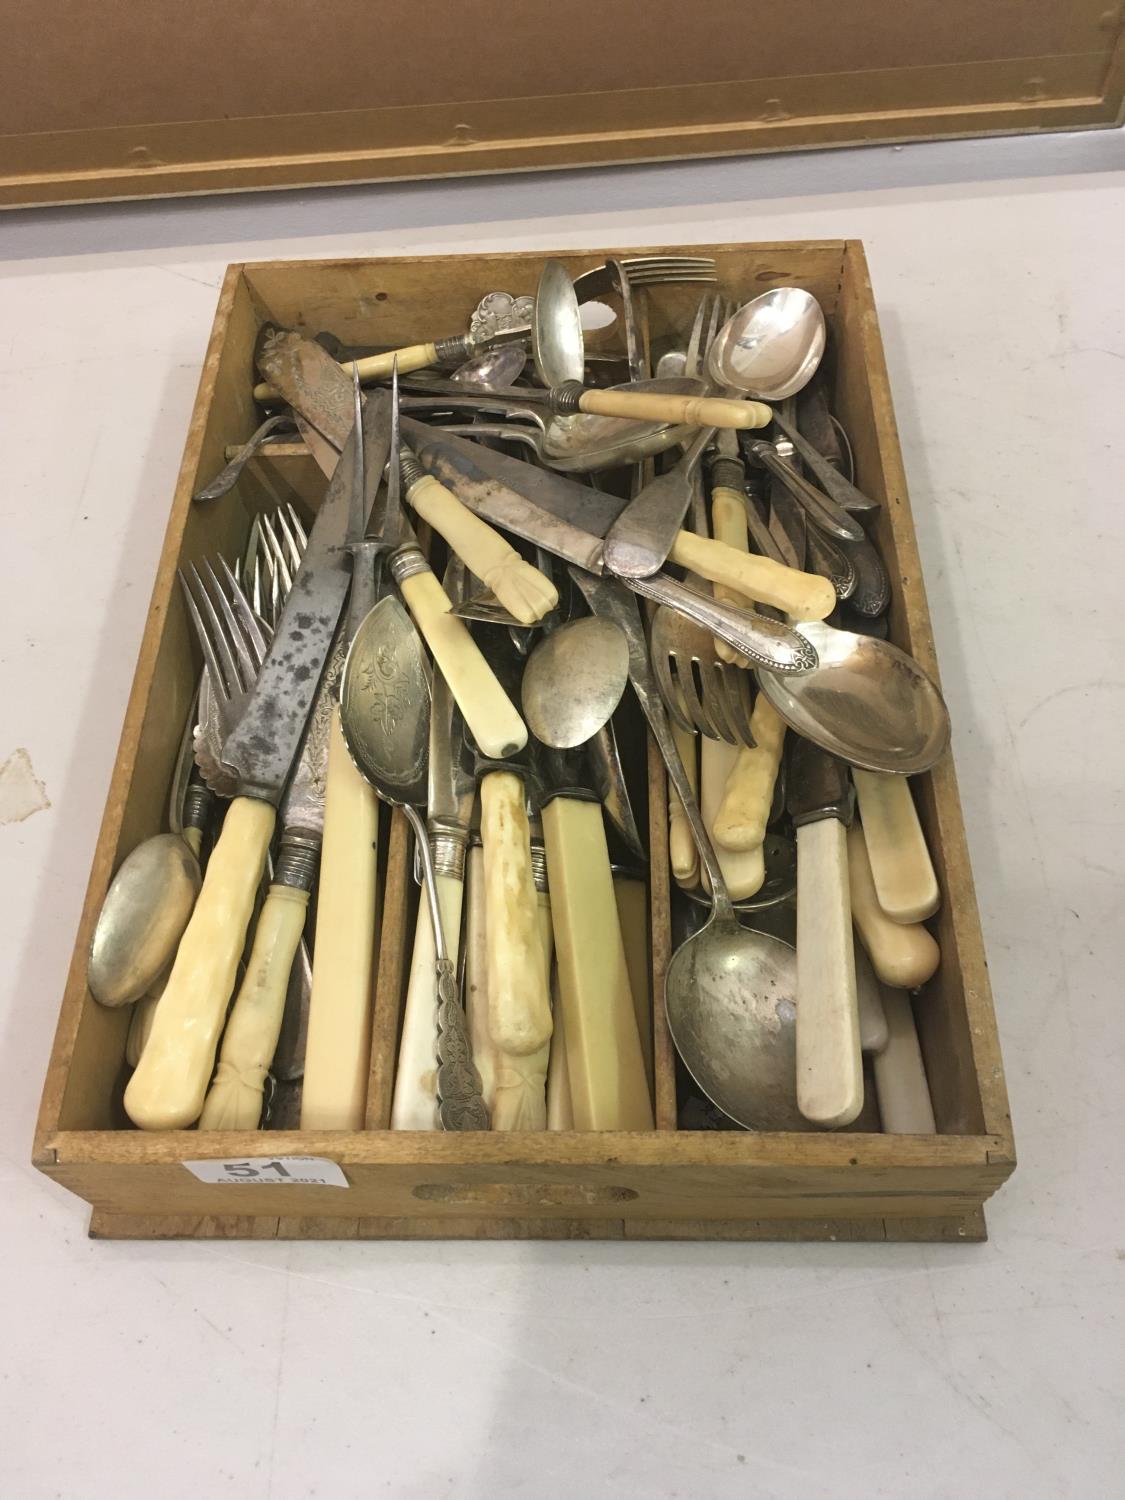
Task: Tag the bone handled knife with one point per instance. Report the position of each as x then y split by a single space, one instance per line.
167 1090
829 1064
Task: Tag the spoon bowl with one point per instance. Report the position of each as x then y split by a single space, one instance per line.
771 347
574 680
557 343
501 366
142 919
731 997
867 702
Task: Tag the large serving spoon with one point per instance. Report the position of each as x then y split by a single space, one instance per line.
865 701
771 347
730 992
385 718
573 681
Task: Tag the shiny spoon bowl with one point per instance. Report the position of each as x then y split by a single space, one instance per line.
574 680
866 701
771 347
142 919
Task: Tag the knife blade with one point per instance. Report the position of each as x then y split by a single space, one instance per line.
263 744
829 1063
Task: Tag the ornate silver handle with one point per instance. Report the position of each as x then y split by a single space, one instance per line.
768 643
461 1104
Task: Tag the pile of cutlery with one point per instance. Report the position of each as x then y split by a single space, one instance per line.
674 528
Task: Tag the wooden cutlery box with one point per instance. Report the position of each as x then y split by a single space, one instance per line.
666 1184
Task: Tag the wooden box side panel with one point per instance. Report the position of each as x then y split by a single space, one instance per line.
954 1012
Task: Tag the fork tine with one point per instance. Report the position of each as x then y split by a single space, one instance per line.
251 627
694 704
256 586
203 636
231 638
732 700
294 548
298 529
228 684
693 359
277 551
662 663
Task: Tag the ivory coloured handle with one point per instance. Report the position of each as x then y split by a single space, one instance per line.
829 1064
905 1106
414 1104
338 1047
901 867
605 1062
167 1088
632 912
743 814
375 366
744 870
560 1112
476 981
869 993
691 411
489 713
521 1082
521 589
140 1023
234 1100
728 525
804 596
682 853
519 1002
903 956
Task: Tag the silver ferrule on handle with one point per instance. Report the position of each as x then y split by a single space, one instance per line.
539 867
407 562
297 859
448 847
453 351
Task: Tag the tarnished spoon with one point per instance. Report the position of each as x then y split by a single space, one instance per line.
865 701
573 681
771 347
142 919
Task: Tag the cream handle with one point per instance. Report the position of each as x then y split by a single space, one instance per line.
682 853
744 870
901 867
234 1100
375 366
743 814
905 1107
140 1022
605 1062
167 1089
560 1112
519 1002
632 912
691 411
829 1064
521 1082
869 992
338 1048
728 525
804 596
485 1051
492 720
902 956
521 589
414 1104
